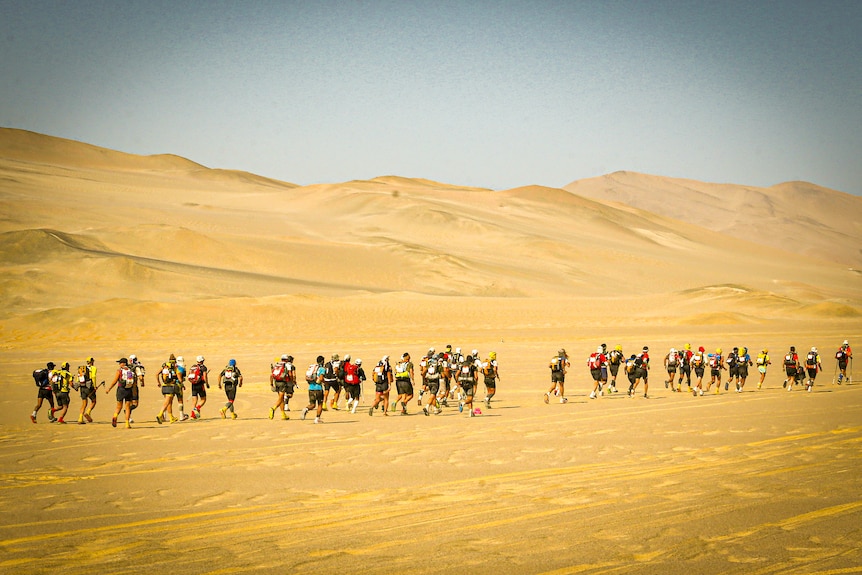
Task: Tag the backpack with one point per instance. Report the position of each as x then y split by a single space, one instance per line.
615 357
465 374
379 373
488 369
351 374
715 361
311 373
195 374
840 355
789 361
432 372
84 375
229 375
557 363
279 372
672 360
330 373
169 375
41 377
595 361
811 360
761 359
401 370
127 377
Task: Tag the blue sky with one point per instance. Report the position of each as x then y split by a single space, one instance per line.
494 94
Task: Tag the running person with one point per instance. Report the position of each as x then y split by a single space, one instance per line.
842 356
595 363
716 364
332 382
282 380
168 380
87 389
468 375
231 378
64 388
403 382
197 376
140 373
491 373
812 366
559 367
762 363
671 363
732 362
314 379
179 389
432 374
382 375
124 379
791 368
742 365
43 382
352 383
698 363
685 366
633 371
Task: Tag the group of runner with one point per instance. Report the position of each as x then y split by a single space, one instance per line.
443 376
605 365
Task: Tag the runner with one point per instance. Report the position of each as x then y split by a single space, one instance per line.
742 366
181 387
432 376
716 364
42 378
762 363
423 368
382 375
168 380
732 362
403 382
685 366
698 362
332 382
231 378
198 377
282 379
65 386
615 359
124 379
87 388
314 379
468 375
352 383
812 365
643 369
671 363
491 373
791 368
559 367
633 371
595 362
140 373
843 356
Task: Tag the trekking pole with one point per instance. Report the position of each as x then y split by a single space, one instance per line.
835 373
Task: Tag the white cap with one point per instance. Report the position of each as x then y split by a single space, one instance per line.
475 352
199 359
814 349
358 361
385 358
846 342
347 357
180 359
132 357
457 350
673 350
599 349
283 357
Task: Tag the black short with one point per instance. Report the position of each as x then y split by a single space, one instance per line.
597 374
381 387
199 389
633 376
124 394
333 385
791 371
698 371
467 388
733 371
403 387
315 396
715 373
434 387
167 389
281 387
63 398
812 373
46 393
558 377
615 369
671 369
230 392
136 394
87 392
742 371
353 390
491 382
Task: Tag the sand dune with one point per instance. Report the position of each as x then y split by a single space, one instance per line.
107 254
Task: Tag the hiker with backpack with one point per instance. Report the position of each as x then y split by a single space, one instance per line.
124 379
87 389
671 363
42 378
616 358
282 380
633 371
812 366
559 366
352 382
179 389
595 363
763 362
698 363
332 381
432 374
742 365
843 356
467 378
231 378
491 373
382 375
685 366
197 376
63 390
791 368
403 382
716 365
314 378
732 362
168 380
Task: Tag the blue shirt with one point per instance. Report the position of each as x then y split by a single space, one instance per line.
317 386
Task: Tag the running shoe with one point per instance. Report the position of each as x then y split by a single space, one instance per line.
547 398
223 412
271 412
304 413
113 422
88 418
159 419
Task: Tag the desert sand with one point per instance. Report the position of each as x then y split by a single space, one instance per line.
106 254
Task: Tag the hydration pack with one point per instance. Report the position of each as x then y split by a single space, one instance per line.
196 374
279 372
311 373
